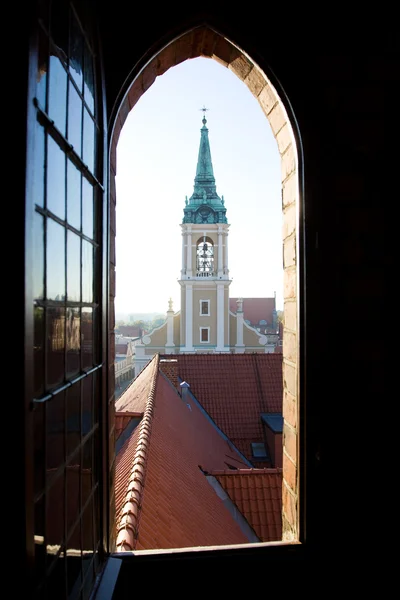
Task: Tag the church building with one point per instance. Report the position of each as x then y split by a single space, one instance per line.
205 323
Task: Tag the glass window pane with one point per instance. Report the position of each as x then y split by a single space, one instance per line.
87 407
75 119
55 422
55 513
40 548
89 80
74 421
76 51
58 93
42 68
38 257
73 495
73 341
38 167
55 261
73 267
87 522
88 140
55 179
73 196
87 208
74 572
39 457
87 338
87 271
38 351
55 345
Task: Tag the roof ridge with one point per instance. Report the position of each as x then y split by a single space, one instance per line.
127 528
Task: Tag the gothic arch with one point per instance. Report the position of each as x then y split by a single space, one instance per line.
205 41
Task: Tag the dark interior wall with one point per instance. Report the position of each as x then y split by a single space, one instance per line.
342 84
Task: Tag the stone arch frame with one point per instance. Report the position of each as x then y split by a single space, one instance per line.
205 41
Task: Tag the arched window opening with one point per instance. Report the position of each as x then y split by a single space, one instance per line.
205 257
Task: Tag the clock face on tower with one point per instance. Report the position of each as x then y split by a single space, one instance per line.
205 256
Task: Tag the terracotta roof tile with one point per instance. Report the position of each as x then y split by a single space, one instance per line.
235 389
174 506
134 397
131 460
130 330
255 309
121 348
258 495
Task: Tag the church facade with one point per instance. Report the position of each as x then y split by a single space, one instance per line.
205 323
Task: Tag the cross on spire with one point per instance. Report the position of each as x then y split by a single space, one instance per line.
204 120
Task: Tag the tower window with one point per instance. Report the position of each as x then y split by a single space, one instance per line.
204 308
204 335
205 256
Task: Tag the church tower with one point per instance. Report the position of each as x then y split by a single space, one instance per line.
204 278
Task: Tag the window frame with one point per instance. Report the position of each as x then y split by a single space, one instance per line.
208 313
201 329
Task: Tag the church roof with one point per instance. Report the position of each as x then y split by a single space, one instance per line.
255 309
204 205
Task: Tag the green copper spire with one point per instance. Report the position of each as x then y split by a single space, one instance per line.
204 206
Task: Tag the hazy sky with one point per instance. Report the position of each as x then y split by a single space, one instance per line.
156 166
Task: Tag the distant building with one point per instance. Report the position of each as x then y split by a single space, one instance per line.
208 322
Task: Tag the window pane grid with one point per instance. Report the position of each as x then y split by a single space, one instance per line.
66 302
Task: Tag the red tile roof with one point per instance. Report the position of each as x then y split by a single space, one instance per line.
134 398
258 495
122 420
235 389
163 499
255 309
130 331
121 348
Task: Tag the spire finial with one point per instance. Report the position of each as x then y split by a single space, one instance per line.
204 109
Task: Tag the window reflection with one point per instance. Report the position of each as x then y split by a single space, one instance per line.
76 52
55 345
87 409
73 267
87 338
88 140
55 514
89 80
38 173
55 179
38 253
75 119
39 456
87 271
73 195
42 68
38 350
57 93
73 341
55 423
74 421
87 208
55 261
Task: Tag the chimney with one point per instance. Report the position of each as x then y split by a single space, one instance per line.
169 366
184 391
